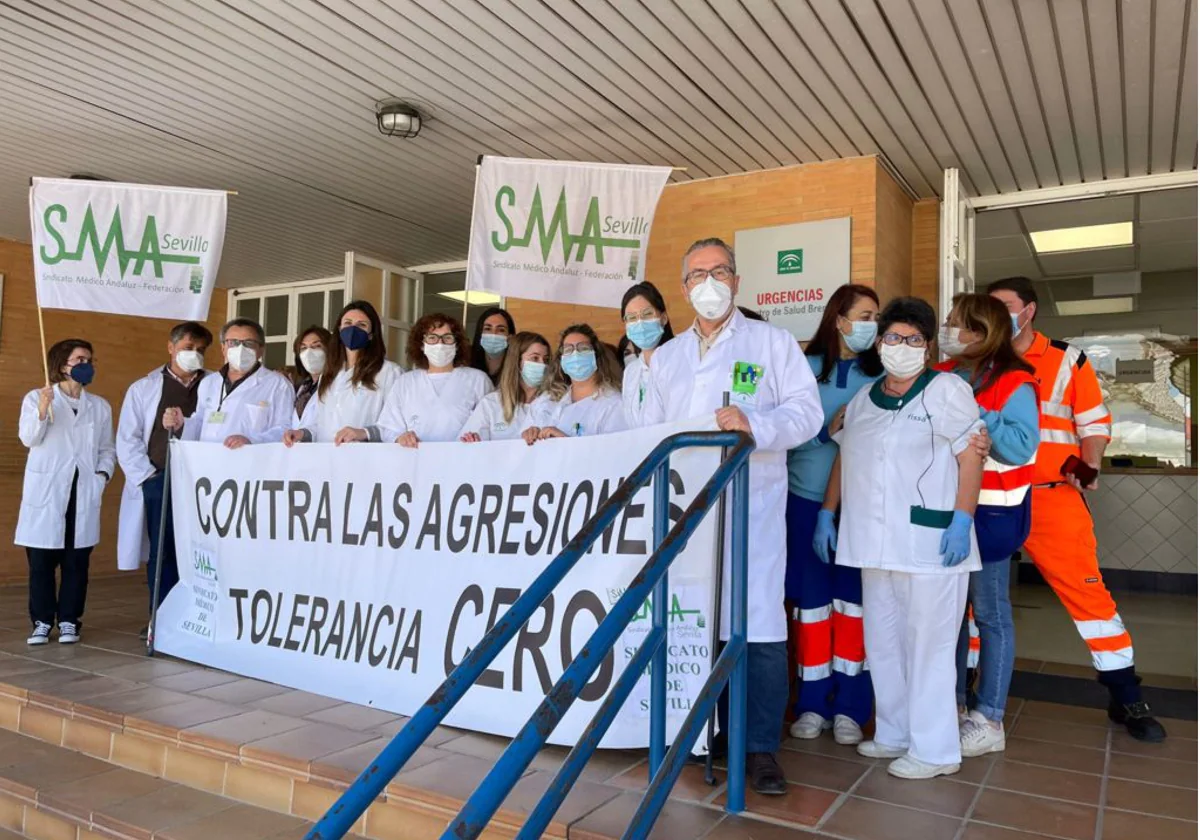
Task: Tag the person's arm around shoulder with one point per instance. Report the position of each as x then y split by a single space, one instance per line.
1014 428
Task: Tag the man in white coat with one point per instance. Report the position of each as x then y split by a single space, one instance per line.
244 402
773 397
142 452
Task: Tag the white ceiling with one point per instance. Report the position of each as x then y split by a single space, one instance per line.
275 98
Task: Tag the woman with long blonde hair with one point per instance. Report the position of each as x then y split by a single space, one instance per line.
506 412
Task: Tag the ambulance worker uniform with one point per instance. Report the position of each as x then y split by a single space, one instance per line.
763 370
346 404
433 405
598 414
487 420
826 599
634 384
899 481
71 460
259 407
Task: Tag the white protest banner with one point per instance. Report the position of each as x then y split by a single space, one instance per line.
127 249
559 231
366 572
788 272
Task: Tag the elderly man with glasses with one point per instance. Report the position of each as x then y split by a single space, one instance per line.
773 397
245 403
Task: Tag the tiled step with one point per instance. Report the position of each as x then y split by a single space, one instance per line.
49 792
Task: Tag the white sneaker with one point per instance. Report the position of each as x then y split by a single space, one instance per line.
846 732
808 726
874 749
907 767
68 633
979 737
40 635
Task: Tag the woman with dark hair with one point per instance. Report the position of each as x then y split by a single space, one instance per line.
433 400
492 332
834 691
307 367
585 389
506 412
978 339
907 479
646 326
354 386
626 352
72 457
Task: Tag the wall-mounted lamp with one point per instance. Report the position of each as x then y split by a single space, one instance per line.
397 119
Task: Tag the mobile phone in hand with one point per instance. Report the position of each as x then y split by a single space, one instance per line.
1075 466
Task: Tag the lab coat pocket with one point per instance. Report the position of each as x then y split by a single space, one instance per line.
257 417
926 527
37 488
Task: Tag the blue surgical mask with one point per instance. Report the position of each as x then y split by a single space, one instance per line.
1016 322
645 334
493 344
355 338
862 335
580 366
83 373
532 373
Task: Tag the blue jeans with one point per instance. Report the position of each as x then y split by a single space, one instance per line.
152 498
988 595
766 696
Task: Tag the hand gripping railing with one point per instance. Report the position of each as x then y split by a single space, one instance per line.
651 579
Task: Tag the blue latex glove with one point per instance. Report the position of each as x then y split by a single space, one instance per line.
956 540
825 537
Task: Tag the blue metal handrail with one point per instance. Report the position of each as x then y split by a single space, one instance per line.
652 578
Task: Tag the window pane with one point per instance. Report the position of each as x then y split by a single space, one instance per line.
337 299
276 357
247 307
275 322
397 290
312 310
396 350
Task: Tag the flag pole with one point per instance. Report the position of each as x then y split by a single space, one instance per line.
45 360
470 242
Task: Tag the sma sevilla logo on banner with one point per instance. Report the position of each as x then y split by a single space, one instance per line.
126 249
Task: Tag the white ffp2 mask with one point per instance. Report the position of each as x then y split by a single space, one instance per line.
241 358
711 299
313 359
902 361
189 360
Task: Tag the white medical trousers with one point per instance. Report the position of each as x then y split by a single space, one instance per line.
910 630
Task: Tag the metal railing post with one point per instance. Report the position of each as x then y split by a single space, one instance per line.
658 665
739 543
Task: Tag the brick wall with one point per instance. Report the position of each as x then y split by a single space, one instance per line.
126 349
881 232
925 220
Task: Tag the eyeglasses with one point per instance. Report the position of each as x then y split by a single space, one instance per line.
644 315
252 343
892 339
578 347
721 273
433 338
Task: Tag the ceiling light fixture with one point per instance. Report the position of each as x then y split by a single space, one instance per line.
1094 306
477 298
397 119
1082 238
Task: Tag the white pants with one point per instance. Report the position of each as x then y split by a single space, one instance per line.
910 630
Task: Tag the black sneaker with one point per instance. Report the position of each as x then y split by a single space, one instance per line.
766 776
1138 721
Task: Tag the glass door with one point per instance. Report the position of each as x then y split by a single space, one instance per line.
956 243
394 291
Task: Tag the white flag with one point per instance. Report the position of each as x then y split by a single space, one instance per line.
564 232
127 249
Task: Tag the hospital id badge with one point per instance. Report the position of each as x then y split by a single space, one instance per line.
216 417
746 376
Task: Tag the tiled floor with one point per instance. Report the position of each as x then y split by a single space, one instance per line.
1066 773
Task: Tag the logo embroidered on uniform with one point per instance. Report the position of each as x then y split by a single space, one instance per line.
745 377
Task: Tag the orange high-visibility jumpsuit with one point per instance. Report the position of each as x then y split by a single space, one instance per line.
1062 542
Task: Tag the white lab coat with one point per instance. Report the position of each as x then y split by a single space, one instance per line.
57 448
346 404
435 414
260 408
783 409
139 415
634 385
487 420
599 414
894 460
